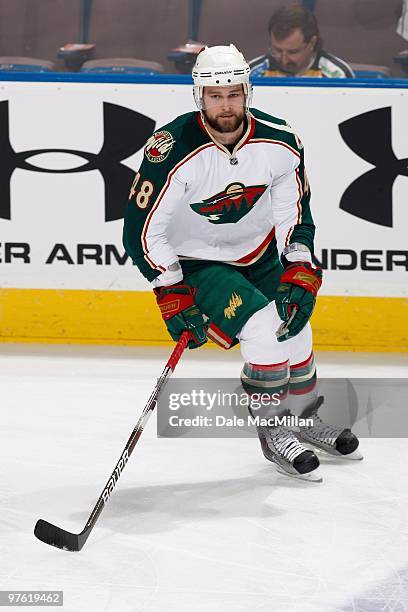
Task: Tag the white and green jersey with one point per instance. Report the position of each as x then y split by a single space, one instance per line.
193 198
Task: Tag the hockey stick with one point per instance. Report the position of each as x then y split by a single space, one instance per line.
55 536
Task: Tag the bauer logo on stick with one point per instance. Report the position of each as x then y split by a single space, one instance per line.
115 475
159 146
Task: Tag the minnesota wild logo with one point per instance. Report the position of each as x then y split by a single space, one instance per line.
230 205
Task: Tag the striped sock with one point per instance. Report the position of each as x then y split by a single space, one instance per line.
302 385
267 380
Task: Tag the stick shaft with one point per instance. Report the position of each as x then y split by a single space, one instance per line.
137 431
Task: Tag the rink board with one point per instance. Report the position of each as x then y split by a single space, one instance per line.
132 318
69 152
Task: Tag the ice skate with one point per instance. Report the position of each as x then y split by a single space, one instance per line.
291 458
331 439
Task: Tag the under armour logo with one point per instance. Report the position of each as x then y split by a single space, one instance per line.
369 197
125 132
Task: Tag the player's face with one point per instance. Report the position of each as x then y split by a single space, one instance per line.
224 107
293 53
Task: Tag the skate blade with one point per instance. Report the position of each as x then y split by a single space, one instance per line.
314 476
354 456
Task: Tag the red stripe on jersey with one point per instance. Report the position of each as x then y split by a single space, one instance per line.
278 142
300 191
246 259
153 265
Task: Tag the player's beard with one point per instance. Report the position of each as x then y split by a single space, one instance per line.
230 123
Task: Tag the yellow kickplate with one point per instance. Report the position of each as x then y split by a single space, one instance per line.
132 318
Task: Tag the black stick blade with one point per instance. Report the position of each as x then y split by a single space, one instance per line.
54 536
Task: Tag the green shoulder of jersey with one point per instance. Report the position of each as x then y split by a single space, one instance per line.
173 142
274 128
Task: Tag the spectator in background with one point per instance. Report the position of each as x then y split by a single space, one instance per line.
296 48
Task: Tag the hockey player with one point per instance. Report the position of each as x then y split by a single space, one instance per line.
219 222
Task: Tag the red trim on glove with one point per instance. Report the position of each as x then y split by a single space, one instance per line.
303 275
174 299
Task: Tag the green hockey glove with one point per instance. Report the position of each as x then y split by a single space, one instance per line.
180 313
296 297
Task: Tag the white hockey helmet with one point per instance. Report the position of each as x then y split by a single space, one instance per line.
221 66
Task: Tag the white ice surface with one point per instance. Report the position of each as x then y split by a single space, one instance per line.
194 525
